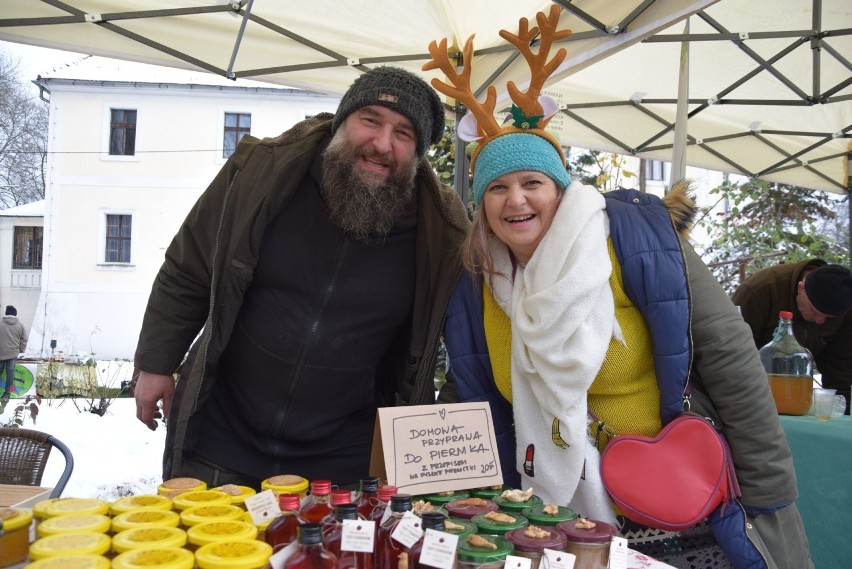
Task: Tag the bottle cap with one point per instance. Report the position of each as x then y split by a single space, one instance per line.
400 502
346 512
288 502
385 492
321 487
786 314
433 520
310 534
340 496
369 485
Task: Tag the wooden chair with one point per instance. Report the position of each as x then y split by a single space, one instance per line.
24 454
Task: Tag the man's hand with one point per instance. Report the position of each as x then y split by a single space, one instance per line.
149 389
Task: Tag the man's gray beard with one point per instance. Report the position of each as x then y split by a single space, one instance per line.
358 207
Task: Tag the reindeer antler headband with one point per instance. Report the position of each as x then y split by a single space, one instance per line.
530 110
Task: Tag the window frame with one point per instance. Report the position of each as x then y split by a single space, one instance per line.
103 235
37 239
106 137
234 129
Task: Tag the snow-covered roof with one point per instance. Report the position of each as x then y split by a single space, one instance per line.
34 209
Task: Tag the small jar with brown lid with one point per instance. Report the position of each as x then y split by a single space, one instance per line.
589 541
530 542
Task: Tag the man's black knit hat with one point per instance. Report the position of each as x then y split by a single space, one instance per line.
11 310
401 91
829 288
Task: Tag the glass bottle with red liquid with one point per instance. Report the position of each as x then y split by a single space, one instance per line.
318 505
383 498
338 498
283 530
332 536
387 548
310 553
430 520
368 497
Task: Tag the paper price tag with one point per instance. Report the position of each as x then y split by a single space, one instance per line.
408 530
439 549
280 557
516 562
262 507
618 553
554 559
358 535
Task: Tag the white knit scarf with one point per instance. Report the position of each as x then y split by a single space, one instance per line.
563 317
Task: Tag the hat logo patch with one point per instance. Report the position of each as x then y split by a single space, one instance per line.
388 98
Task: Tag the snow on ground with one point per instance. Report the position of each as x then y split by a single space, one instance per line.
114 455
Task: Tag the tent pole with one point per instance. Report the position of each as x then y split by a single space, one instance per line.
461 180
230 73
678 172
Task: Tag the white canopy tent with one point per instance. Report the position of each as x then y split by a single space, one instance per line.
770 81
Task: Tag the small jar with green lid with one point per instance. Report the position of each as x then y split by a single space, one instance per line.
68 506
155 558
70 544
14 534
441 498
145 519
511 506
140 502
148 538
71 562
537 516
215 513
200 498
483 557
286 484
488 492
460 527
491 526
211 532
75 523
233 554
530 542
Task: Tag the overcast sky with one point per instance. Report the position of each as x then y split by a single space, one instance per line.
34 60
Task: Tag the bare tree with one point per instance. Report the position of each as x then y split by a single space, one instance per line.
23 138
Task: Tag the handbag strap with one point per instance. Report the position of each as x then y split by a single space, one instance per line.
607 430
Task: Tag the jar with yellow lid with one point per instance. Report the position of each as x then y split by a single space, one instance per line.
68 506
286 484
155 558
215 513
139 538
140 502
70 544
39 507
211 532
182 484
86 561
74 523
14 535
200 498
145 518
237 493
233 554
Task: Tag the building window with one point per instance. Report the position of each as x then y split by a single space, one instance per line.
27 254
237 125
122 132
654 170
118 229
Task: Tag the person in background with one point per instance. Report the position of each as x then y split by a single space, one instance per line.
576 300
820 297
13 342
317 267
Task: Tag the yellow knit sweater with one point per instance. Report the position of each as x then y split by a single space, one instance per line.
624 394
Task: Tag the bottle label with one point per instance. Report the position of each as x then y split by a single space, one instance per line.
439 549
618 553
280 557
517 562
358 535
262 507
409 530
560 559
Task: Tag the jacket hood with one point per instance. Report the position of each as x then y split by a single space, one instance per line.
10 319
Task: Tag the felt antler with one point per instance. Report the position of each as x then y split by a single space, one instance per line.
460 89
540 68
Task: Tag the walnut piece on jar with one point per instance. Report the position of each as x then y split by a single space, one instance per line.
583 523
500 517
550 509
421 506
517 496
479 541
536 532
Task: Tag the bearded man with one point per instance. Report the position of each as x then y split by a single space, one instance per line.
312 275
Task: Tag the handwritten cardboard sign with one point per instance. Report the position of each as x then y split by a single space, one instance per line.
425 449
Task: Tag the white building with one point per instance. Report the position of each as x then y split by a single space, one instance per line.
131 147
20 259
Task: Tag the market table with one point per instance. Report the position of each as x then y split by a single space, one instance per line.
22 496
822 454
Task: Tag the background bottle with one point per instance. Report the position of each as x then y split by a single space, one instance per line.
310 553
790 369
333 534
383 498
367 497
430 520
317 505
283 530
338 497
387 548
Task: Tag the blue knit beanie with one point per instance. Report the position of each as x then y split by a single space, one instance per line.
517 151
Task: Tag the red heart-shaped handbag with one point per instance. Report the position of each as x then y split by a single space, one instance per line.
671 481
